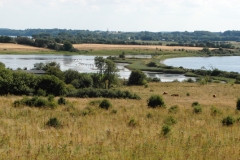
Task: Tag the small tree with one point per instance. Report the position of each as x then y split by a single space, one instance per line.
137 77
155 101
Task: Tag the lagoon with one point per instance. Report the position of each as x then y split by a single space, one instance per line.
225 63
81 63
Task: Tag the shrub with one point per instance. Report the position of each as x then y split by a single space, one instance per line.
137 77
61 101
149 115
105 104
238 104
188 94
173 109
132 123
197 109
170 121
41 92
53 122
166 130
51 97
40 102
195 104
215 111
155 101
228 121
114 111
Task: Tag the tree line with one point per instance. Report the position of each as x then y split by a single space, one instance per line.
118 37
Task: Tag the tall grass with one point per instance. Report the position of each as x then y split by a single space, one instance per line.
103 135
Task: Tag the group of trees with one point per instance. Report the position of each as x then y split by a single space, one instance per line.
51 37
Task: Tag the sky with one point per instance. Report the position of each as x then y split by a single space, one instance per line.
122 15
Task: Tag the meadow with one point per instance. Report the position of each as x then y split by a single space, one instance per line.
128 130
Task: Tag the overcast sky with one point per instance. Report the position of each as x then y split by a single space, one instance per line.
121 15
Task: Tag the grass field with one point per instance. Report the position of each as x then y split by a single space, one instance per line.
130 47
129 130
18 47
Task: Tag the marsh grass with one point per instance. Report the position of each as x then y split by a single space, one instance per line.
135 132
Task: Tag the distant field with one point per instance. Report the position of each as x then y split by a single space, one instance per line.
18 47
116 47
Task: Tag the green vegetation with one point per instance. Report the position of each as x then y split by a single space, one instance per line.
105 104
155 101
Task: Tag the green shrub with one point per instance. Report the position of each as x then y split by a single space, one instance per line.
197 109
238 104
62 101
51 97
188 94
195 104
215 111
41 92
52 104
173 109
105 104
114 111
228 121
170 121
149 115
40 102
166 130
106 93
132 123
155 101
53 122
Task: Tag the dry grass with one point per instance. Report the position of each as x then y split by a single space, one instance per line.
102 134
116 47
18 47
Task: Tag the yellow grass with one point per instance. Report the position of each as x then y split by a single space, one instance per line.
104 135
116 47
18 47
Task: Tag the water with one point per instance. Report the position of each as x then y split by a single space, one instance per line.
81 63
226 63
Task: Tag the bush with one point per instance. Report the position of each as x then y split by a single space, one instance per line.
197 109
149 115
137 77
195 104
155 101
41 92
106 93
53 122
173 109
61 101
215 111
188 94
105 104
170 121
132 123
228 121
238 104
40 102
166 130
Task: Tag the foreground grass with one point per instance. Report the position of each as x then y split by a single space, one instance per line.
107 134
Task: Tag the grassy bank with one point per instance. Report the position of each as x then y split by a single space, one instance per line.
129 130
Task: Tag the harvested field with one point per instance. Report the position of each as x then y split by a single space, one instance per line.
18 47
116 47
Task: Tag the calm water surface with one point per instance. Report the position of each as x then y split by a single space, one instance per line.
226 63
81 63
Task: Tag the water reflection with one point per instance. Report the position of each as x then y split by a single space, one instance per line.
81 63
